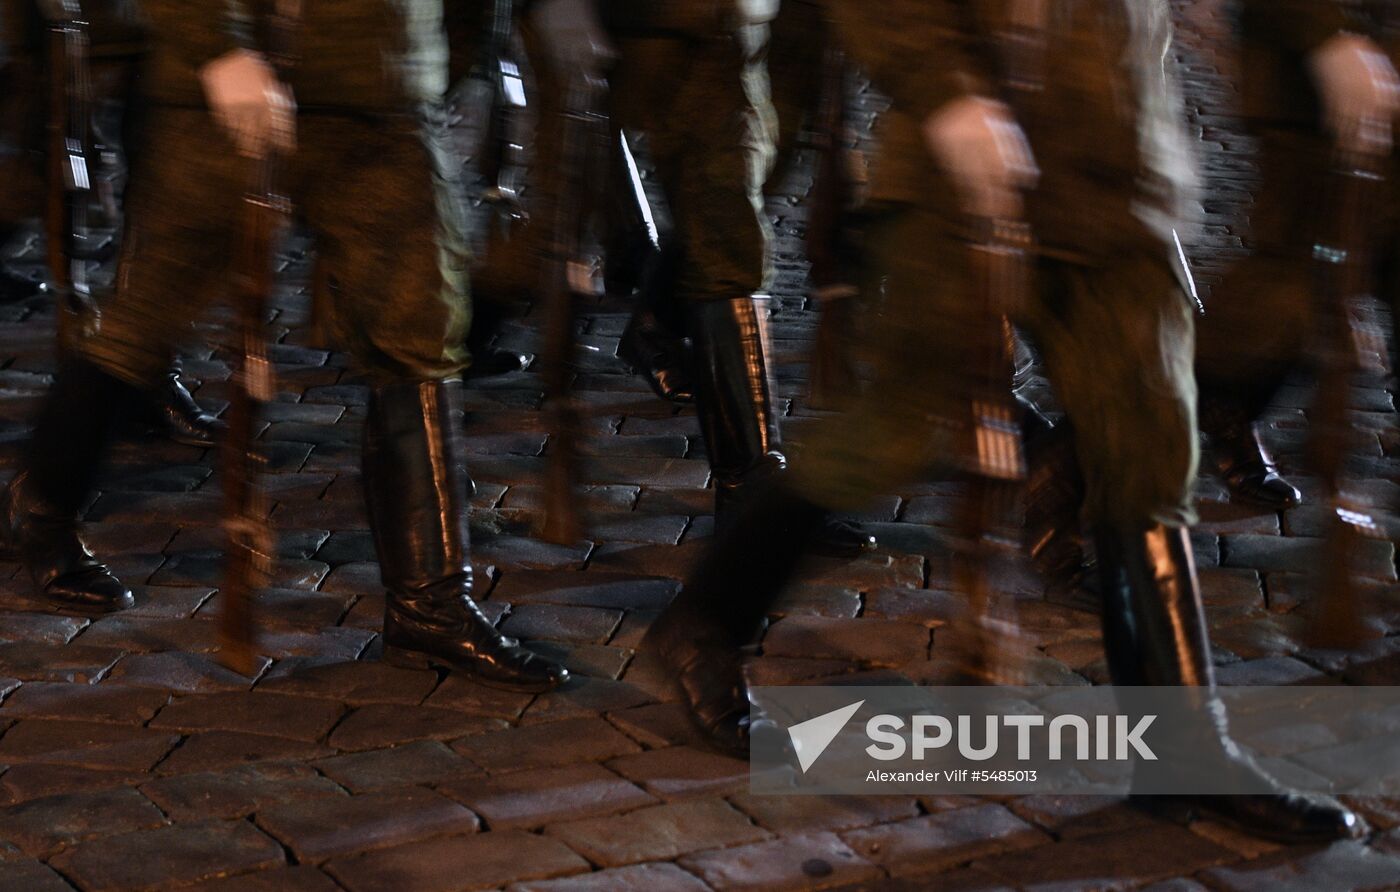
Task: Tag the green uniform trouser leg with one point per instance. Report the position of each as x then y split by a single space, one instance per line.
704 107
1118 346
371 192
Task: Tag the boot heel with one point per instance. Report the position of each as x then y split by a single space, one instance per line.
406 659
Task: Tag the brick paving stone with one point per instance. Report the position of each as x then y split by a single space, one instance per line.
1071 816
37 661
559 622
530 799
457 692
584 698
545 745
634 878
41 627
593 660
818 600
30 876
237 791
182 672
333 644
518 552
940 841
356 577
213 750
253 712
871 641
290 609
591 589
106 702
660 832
808 862
85 743
421 762
1372 558
865 573
169 602
168 857
680 772
1112 860
458 864
1269 671
301 878
32 780
357 683
147 634
807 814
322 828
383 724
656 725
41 826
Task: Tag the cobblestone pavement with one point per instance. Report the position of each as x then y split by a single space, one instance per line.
129 759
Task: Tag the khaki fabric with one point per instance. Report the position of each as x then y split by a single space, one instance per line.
1118 347
377 197
704 107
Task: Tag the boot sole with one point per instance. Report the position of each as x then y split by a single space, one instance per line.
412 659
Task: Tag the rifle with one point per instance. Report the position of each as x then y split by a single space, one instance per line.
989 522
1349 346
585 135
250 538
69 179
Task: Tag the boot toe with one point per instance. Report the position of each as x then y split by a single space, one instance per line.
838 538
1266 488
92 590
1289 817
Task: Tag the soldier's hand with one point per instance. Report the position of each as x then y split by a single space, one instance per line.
1360 92
249 101
979 144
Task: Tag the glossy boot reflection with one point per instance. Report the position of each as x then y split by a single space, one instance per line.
416 492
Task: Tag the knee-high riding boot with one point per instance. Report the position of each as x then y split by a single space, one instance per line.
733 393
416 492
699 636
1158 637
59 472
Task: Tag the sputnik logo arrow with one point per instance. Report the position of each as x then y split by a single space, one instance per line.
811 738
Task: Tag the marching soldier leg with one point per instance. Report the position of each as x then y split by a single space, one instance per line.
900 430
1256 327
1133 408
377 196
177 244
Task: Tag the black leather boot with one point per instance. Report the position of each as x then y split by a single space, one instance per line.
1244 463
699 637
41 504
1155 634
1054 495
416 493
734 399
180 416
653 343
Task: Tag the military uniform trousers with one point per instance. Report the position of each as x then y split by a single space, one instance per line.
375 193
1117 341
703 104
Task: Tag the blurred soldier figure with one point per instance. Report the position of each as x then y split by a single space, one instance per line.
691 77
1315 80
369 178
1109 313
115 45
